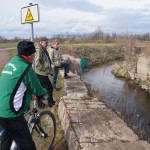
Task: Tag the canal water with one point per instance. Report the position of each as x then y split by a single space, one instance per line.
126 98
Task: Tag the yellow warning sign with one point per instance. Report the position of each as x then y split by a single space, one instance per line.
29 16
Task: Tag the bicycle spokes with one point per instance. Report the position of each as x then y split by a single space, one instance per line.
44 131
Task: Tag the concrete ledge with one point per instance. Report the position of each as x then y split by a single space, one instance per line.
89 124
117 145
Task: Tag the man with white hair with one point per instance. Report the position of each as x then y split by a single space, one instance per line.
57 62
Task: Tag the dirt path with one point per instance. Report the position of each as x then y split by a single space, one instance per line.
4 57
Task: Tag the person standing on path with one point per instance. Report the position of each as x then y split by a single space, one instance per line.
57 62
42 67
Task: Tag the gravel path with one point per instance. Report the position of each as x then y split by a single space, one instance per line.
4 57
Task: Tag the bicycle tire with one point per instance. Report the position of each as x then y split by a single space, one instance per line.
45 123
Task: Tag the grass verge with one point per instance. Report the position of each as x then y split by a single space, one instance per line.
7 45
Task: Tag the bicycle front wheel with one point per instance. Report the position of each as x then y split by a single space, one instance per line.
44 132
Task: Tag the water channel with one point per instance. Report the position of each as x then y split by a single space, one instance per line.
126 98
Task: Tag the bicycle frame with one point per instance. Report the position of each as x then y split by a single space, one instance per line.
34 123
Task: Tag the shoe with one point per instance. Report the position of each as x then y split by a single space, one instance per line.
67 77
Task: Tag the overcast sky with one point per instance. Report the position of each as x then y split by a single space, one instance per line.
76 16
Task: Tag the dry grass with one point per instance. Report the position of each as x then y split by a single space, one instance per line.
7 45
60 142
96 53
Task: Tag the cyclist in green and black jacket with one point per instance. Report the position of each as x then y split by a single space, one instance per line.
18 83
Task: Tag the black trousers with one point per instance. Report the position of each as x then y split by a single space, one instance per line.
16 129
46 83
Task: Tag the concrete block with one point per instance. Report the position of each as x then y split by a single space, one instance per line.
144 60
102 125
116 145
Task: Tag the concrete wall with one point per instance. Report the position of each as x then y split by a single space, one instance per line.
143 67
89 124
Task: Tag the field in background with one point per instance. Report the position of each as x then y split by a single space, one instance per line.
101 52
96 53
7 45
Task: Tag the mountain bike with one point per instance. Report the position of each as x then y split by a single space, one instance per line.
42 126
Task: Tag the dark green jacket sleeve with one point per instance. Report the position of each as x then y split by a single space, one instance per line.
33 83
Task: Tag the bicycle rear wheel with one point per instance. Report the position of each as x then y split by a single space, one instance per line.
44 132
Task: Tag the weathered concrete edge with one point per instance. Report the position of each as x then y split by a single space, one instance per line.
69 133
75 143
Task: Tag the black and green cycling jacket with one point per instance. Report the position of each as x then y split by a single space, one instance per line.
16 90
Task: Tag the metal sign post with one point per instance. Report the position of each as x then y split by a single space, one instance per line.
30 14
32 31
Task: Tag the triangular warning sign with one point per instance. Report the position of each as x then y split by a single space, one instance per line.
29 16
